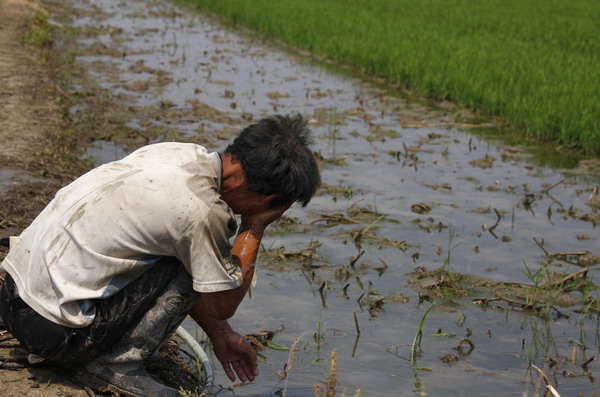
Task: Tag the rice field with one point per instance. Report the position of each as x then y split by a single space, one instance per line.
536 64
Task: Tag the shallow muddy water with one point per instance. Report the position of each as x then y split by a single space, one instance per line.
404 186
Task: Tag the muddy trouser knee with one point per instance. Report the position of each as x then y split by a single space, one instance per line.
164 291
158 323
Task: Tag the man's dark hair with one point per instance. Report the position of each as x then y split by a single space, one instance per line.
276 158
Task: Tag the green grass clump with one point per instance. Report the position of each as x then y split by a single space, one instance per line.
39 31
535 63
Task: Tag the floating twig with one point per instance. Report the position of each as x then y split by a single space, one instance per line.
323 286
541 245
562 256
491 229
549 386
559 254
524 305
335 219
573 253
376 221
485 301
356 323
355 345
581 272
359 300
354 259
545 191
323 294
554 200
587 362
345 290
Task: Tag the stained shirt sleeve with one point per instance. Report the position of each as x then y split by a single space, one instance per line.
205 250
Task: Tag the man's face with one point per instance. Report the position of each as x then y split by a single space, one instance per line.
235 193
245 202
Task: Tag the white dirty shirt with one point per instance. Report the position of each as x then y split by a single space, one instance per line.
113 223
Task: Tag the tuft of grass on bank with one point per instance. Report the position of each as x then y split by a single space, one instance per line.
39 31
534 63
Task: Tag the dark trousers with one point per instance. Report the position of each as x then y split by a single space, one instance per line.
64 346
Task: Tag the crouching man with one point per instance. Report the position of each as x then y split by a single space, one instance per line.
115 262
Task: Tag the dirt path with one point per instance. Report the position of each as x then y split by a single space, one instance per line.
31 121
31 118
28 113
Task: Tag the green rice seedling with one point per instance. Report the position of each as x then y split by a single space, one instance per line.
451 235
546 292
536 278
533 63
320 332
460 319
589 302
542 292
416 345
333 132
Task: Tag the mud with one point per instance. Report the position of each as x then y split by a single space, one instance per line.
31 172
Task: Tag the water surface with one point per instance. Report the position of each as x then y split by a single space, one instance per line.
381 154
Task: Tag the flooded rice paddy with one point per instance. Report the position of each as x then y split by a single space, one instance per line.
417 208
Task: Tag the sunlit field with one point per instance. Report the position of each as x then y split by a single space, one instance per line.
536 63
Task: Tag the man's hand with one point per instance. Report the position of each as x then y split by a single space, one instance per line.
236 355
263 219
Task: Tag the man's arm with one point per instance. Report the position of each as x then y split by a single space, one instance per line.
213 309
223 304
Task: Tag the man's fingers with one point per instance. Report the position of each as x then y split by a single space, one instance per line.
229 372
250 364
243 371
253 366
251 371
